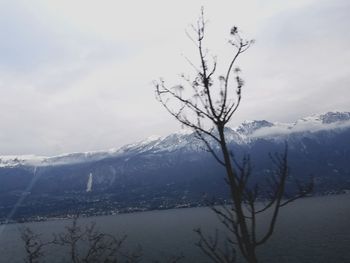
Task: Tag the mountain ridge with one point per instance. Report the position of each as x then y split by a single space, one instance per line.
242 134
174 170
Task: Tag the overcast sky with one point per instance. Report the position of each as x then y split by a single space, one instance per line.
76 75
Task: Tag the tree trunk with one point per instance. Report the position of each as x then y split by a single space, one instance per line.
246 245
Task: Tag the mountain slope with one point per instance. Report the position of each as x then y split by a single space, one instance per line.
170 171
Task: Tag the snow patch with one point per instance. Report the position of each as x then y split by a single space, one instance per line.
89 183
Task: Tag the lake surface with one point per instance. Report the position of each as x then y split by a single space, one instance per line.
315 229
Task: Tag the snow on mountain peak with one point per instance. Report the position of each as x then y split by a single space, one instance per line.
331 117
327 118
14 160
313 123
316 122
185 139
249 127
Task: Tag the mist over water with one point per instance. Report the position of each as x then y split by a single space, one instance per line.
315 229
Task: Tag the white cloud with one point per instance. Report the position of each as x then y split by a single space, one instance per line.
285 128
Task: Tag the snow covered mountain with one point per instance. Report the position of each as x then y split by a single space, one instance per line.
163 172
245 133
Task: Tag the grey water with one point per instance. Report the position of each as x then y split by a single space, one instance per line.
315 229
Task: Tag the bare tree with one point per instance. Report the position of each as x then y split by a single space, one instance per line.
88 245
85 244
206 103
33 244
212 248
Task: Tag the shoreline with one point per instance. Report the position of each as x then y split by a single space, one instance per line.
133 210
